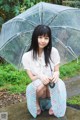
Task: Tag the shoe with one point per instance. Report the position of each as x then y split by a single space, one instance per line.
51 111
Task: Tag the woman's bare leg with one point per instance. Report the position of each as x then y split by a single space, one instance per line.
48 95
41 92
47 92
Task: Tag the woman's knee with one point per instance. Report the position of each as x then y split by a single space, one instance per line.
29 87
41 88
41 91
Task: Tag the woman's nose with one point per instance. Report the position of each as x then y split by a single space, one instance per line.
43 40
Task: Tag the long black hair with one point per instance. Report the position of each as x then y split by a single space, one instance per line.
39 31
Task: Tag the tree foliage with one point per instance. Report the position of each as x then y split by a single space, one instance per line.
72 3
11 8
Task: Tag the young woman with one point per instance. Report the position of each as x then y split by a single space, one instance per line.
42 65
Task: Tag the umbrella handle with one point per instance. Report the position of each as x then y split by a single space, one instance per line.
52 85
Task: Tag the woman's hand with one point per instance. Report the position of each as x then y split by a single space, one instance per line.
45 80
55 77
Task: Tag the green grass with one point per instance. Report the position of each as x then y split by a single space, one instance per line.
74 100
70 70
13 80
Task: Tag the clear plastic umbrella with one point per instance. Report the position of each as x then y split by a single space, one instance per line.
15 37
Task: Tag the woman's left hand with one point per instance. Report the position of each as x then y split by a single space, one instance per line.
55 77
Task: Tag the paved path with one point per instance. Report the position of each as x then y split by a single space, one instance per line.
20 112
73 86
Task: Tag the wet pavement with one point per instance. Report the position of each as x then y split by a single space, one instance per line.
19 111
73 86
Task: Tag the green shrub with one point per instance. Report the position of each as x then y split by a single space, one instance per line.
16 88
70 70
74 100
74 3
10 75
1 82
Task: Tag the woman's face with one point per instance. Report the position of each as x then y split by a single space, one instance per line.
43 41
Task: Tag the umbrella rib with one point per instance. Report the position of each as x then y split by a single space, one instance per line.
32 23
51 19
68 48
18 19
22 20
64 27
22 54
41 11
8 41
13 38
19 63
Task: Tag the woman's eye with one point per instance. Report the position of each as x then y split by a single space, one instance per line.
46 38
40 37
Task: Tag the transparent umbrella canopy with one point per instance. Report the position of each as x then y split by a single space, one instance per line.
15 37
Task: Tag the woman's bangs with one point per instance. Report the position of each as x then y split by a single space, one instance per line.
44 32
